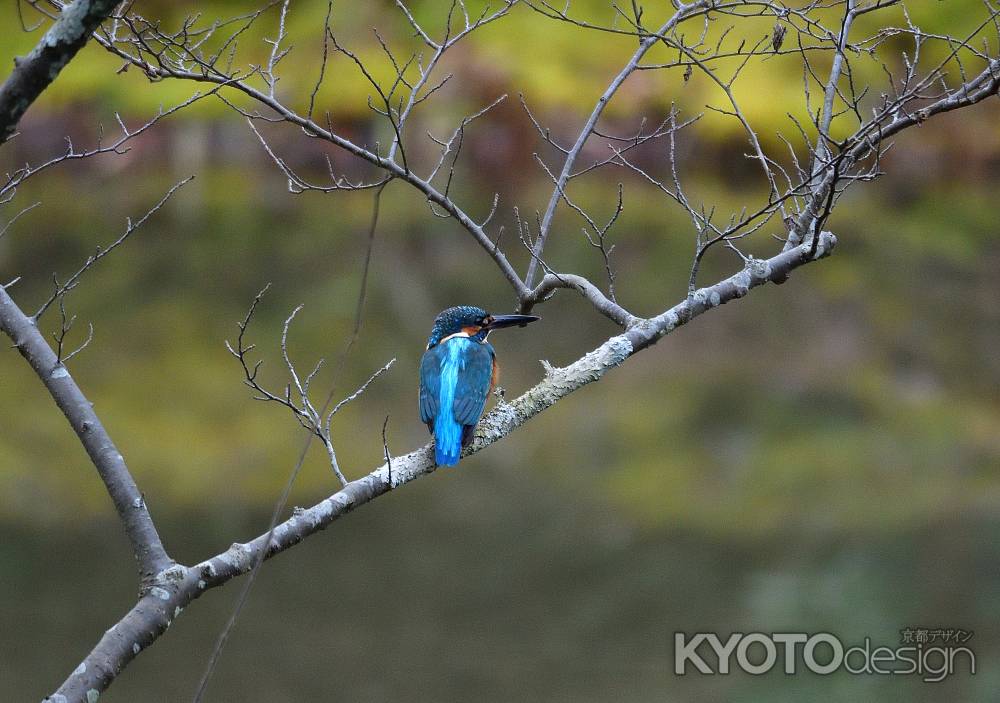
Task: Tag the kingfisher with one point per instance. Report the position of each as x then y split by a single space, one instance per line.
457 374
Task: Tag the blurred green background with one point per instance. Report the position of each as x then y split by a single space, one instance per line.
819 456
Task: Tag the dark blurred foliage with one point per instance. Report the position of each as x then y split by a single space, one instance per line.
819 455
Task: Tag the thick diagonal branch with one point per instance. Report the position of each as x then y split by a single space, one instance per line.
33 73
178 586
128 501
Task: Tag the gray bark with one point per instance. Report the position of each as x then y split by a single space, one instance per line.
146 545
33 73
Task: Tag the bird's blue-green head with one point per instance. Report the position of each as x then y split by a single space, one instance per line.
471 321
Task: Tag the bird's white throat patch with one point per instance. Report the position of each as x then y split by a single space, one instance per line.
452 336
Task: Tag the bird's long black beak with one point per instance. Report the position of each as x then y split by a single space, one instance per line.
510 321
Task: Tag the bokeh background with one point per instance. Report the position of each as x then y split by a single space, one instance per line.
821 455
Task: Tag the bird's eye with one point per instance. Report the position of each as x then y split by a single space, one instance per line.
487 320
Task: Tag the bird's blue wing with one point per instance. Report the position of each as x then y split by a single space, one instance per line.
455 379
430 385
474 381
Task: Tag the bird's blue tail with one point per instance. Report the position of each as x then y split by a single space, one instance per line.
447 429
447 439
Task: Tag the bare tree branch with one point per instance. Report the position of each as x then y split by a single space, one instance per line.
33 73
318 429
316 420
591 124
13 179
50 367
128 500
161 55
604 305
130 227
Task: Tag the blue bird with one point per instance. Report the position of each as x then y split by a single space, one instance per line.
457 374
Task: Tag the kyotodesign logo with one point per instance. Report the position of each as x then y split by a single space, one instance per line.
932 654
